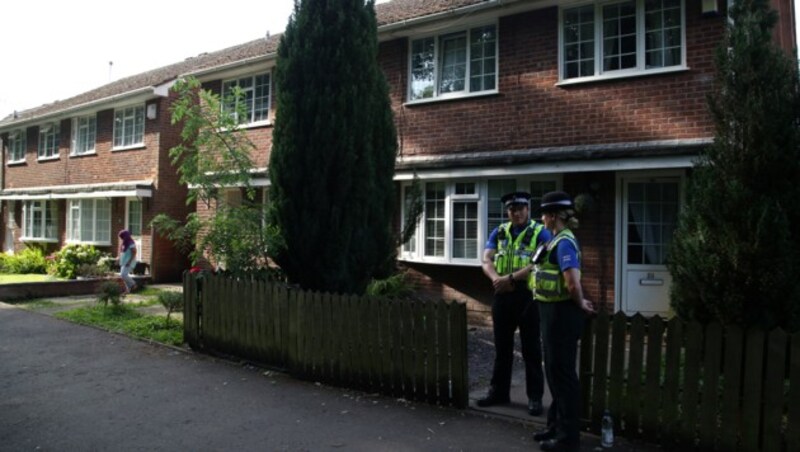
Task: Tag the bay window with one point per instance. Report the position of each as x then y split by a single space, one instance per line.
89 221
458 216
39 221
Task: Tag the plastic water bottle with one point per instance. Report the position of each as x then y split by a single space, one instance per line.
607 430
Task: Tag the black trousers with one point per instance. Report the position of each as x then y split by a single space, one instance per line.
562 326
512 310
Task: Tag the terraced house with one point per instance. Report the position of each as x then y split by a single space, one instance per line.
603 99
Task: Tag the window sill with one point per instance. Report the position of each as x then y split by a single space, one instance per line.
440 261
48 159
622 75
16 163
81 242
129 148
249 125
85 154
37 239
434 100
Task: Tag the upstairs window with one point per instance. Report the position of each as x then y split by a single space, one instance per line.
129 127
84 134
454 64
39 221
49 136
622 38
255 97
16 146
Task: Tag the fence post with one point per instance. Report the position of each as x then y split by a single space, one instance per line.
459 333
773 390
793 426
751 403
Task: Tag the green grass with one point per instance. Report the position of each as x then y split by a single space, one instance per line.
149 291
17 278
126 320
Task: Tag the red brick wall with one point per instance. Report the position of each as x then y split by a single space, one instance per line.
530 111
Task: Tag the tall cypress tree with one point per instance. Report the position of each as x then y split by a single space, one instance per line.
334 146
736 253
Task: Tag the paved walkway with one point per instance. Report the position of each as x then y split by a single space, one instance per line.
70 387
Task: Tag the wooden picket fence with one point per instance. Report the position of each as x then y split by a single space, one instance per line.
402 348
688 385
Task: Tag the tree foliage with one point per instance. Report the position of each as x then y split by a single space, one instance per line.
736 253
334 146
215 155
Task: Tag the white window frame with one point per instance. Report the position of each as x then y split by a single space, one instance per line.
437 65
49 140
75 208
481 196
128 122
640 69
84 128
128 210
229 84
48 210
17 144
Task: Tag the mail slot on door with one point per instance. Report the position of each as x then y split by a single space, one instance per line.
651 280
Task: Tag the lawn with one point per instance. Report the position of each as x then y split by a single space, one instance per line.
26 278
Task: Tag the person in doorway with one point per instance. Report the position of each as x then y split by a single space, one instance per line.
557 287
505 262
127 259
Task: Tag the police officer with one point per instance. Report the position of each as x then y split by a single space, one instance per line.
505 262
557 281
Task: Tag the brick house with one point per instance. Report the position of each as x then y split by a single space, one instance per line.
81 169
606 100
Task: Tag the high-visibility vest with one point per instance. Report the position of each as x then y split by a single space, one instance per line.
515 254
548 280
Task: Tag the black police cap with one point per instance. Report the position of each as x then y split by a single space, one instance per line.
555 201
517 197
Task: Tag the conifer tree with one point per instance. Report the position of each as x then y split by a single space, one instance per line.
736 252
334 144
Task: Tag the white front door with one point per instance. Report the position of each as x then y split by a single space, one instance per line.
649 210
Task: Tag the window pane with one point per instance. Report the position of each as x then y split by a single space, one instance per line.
434 219
619 36
135 217
465 230
578 42
411 245
663 28
422 68
496 211
453 63
483 43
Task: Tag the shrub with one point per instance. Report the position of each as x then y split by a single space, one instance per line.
90 271
66 261
393 286
173 301
30 260
109 291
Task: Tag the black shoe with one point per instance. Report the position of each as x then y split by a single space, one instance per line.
559 446
492 399
535 407
544 435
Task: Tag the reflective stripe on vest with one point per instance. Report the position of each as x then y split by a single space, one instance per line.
510 258
549 282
